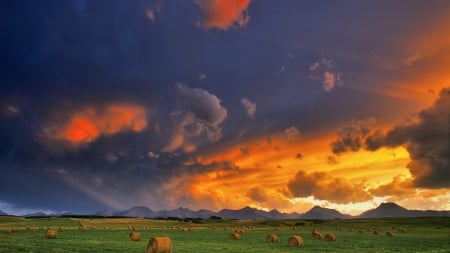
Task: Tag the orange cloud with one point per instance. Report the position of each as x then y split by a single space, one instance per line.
88 124
324 186
223 14
399 186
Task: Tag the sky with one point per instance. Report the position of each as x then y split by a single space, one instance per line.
212 104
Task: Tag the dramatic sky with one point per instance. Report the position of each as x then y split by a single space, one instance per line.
224 103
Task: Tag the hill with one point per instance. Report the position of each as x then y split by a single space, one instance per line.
392 210
318 212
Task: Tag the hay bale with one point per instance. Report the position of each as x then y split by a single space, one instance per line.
29 228
14 230
389 233
317 235
376 232
112 230
159 245
235 236
330 237
361 231
295 241
401 230
134 236
50 234
60 229
7 231
272 238
239 231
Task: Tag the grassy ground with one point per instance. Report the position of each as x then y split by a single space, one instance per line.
421 235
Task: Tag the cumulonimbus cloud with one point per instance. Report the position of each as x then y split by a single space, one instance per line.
427 140
223 14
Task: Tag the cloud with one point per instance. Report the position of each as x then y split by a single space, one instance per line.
223 14
244 150
350 138
201 103
314 66
399 186
329 81
249 106
323 70
323 186
426 138
89 123
152 155
10 110
150 12
331 160
428 143
257 194
199 115
291 134
327 62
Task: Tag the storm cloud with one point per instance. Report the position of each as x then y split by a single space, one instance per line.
426 137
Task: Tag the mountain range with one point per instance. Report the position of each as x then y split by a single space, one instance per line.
384 210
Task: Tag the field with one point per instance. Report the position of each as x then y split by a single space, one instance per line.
356 235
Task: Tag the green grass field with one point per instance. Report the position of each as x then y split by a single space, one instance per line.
421 235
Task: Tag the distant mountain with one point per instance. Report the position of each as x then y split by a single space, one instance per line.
249 213
3 213
318 212
246 213
386 210
187 213
137 211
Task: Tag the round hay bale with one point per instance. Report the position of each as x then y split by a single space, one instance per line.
376 232
295 241
8 231
330 237
159 245
389 233
361 231
240 231
272 238
134 236
60 229
14 230
235 236
317 235
50 234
